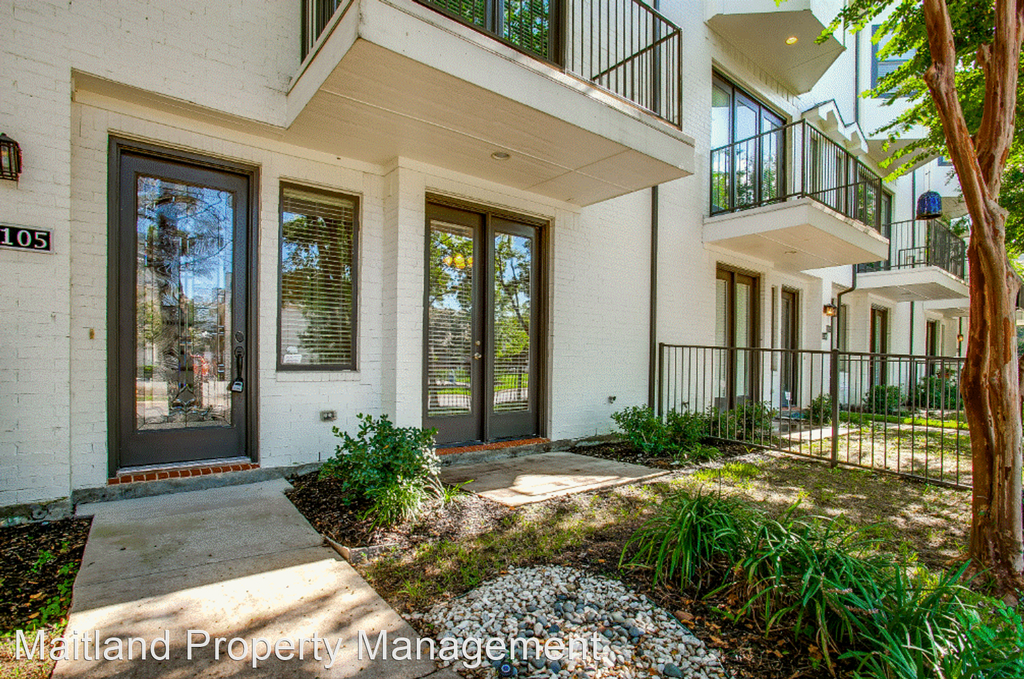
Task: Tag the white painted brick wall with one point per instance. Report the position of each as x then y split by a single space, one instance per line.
237 58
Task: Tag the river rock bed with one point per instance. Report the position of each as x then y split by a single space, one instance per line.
633 638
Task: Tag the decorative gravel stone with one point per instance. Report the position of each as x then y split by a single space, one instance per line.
614 632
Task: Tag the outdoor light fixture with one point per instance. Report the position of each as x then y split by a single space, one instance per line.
10 158
500 155
830 310
791 40
959 338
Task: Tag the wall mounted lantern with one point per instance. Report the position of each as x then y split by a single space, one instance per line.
10 158
960 338
830 310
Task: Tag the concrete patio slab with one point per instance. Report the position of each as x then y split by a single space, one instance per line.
534 478
237 563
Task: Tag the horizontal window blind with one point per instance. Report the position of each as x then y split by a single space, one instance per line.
318 279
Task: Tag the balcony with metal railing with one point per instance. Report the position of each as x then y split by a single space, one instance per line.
580 99
926 261
797 197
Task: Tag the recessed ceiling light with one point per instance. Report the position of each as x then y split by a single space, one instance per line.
500 155
791 40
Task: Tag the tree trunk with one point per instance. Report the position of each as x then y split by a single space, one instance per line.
989 382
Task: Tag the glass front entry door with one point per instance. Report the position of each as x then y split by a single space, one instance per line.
481 326
182 312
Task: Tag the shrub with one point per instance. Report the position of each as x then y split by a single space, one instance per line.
883 399
642 428
679 435
820 410
688 539
937 393
391 468
746 422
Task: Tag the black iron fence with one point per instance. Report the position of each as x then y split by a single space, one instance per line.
796 161
894 413
623 46
922 242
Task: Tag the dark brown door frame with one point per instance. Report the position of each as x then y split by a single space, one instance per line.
117 147
879 321
731 276
484 293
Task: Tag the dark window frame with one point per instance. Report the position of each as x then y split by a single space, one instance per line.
353 366
737 94
898 61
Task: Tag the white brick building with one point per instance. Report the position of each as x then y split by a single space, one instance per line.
117 346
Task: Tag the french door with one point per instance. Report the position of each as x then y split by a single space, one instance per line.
737 329
181 286
482 326
879 344
789 333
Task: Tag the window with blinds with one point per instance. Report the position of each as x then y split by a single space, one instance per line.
318 280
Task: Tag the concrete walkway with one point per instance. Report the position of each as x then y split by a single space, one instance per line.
238 562
523 480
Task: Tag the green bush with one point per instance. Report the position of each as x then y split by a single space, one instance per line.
936 393
392 468
820 410
746 422
679 436
689 540
643 428
883 399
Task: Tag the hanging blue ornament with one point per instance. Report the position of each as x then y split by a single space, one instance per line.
929 205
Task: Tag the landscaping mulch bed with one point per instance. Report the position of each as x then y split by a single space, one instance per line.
623 451
323 505
38 565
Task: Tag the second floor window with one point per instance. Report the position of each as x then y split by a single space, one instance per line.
748 144
883 66
318 280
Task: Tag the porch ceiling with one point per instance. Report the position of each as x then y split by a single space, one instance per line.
950 308
797 235
396 79
760 29
914 284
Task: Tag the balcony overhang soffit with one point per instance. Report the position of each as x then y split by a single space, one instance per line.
393 78
765 30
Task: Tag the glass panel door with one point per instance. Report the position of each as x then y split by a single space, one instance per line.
788 342
182 351
481 344
454 336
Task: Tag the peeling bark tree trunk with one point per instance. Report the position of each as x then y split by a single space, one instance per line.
990 382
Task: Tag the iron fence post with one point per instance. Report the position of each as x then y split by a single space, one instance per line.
661 379
833 389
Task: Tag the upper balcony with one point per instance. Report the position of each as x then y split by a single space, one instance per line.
796 198
926 261
780 37
578 100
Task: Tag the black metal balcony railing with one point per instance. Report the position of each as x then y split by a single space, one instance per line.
922 242
622 46
795 161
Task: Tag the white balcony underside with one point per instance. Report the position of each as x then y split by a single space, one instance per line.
396 79
797 235
916 284
760 28
950 308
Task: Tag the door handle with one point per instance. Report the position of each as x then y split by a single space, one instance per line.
478 355
238 385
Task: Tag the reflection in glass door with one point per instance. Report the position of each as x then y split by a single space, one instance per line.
182 349
481 339
737 329
788 334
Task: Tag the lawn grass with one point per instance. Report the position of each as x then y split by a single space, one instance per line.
913 420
